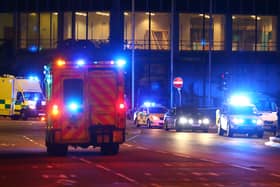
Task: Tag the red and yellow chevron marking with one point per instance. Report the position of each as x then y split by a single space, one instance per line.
76 132
103 94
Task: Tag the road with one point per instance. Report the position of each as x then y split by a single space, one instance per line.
150 157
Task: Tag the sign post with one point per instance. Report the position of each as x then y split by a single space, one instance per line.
178 83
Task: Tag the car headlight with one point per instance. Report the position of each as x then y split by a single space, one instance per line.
183 120
238 120
257 121
190 121
206 121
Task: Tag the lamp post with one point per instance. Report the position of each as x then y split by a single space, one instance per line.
210 51
132 53
171 53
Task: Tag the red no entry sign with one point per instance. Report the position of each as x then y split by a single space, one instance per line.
178 82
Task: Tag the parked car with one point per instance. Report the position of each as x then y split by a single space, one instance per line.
149 115
187 118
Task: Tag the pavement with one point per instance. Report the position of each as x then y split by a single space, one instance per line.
274 141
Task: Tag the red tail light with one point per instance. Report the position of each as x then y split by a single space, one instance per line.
121 106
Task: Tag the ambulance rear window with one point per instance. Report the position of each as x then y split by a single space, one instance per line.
73 91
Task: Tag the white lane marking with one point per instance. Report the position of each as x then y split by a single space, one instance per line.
102 167
275 175
125 177
131 138
167 164
85 161
116 173
7 145
202 159
32 141
243 167
212 161
108 170
142 148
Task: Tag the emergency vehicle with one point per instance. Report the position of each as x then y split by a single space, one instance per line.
150 114
85 101
21 97
238 115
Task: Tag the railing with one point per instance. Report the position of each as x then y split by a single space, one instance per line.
146 45
187 45
251 46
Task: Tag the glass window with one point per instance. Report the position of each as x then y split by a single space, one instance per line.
194 31
54 29
266 33
6 27
243 33
45 30
29 31
160 31
73 91
80 25
23 30
141 30
99 26
32 31
67 27
156 38
48 30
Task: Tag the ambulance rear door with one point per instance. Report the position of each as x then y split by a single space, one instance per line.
103 96
74 124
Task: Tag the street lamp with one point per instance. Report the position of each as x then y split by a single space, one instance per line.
132 53
210 51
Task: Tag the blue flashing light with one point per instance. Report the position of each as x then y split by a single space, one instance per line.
121 62
149 104
80 62
73 106
34 78
33 48
239 100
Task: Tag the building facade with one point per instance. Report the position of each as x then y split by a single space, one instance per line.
200 40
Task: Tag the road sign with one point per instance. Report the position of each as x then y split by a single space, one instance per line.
178 82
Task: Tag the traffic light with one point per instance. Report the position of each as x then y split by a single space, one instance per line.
224 81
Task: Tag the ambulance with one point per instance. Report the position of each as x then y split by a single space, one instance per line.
85 105
21 98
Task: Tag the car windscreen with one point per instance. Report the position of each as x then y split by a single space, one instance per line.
157 110
187 110
34 96
266 106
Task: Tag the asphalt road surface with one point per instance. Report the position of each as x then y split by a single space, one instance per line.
149 157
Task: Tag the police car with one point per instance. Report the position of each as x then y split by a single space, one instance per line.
149 114
238 115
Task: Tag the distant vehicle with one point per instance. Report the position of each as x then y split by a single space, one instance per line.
187 118
239 116
269 110
21 97
150 115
